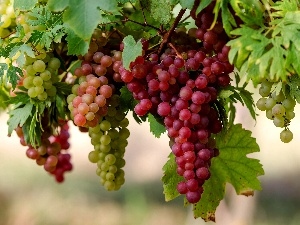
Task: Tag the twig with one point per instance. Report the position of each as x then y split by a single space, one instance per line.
176 51
167 36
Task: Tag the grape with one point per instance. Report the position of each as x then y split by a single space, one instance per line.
39 66
261 104
286 136
278 110
49 152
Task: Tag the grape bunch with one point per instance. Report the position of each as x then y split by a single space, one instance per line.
52 153
7 16
40 75
95 104
181 86
109 139
279 107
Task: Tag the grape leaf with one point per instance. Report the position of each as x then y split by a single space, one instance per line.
132 50
89 18
126 99
13 75
232 166
22 49
57 5
227 17
52 27
156 128
268 52
125 1
203 4
161 10
24 5
170 179
18 116
187 4
76 45
294 85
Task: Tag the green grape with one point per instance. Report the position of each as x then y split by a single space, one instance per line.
46 75
109 185
37 81
264 91
105 148
261 104
104 166
93 157
278 98
270 102
43 96
54 63
27 82
39 66
32 92
113 169
110 159
47 84
105 139
286 136
109 176
289 103
290 115
39 90
278 121
30 71
105 125
278 110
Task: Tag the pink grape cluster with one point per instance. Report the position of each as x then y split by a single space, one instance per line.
182 89
52 153
90 98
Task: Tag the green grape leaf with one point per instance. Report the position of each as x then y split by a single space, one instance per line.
84 16
51 27
18 116
126 99
227 17
132 50
170 179
232 166
3 69
187 4
24 5
294 85
13 75
225 93
248 101
156 128
76 45
22 49
203 4
125 1
161 10
57 5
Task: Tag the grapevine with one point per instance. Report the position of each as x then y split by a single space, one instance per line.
182 67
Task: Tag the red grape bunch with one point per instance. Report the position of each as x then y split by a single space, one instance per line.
181 86
52 153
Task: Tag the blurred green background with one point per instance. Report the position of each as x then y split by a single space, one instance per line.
29 196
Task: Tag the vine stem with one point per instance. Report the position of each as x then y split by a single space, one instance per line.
168 35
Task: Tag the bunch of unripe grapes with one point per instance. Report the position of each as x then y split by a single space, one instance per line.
52 153
109 139
279 107
40 75
7 15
